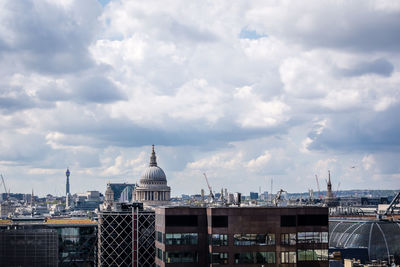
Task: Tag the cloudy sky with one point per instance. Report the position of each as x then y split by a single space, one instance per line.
246 91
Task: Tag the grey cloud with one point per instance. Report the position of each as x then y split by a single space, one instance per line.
189 33
125 133
19 100
365 132
10 104
379 66
353 25
97 89
23 148
70 157
48 38
86 89
388 162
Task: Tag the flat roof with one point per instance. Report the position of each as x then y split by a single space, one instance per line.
62 221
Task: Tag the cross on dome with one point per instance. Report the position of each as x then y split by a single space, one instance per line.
153 158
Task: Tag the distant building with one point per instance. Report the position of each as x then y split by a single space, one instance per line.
363 201
365 239
153 189
253 195
242 236
330 199
67 173
32 241
123 192
6 209
264 196
87 201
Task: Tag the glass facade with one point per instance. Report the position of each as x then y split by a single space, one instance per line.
312 237
288 239
181 239
381 238
28 247
254 257
159 253
159 237
288 257
219 258
77 246
312 254
180 256
254 239
219 240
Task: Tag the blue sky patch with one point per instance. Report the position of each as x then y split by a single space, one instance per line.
250 34
104 2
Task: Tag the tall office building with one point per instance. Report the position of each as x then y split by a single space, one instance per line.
247 236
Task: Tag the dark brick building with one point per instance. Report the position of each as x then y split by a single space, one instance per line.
246 236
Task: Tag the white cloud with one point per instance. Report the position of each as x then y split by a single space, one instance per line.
259 162
368 162
258 113
91 88
384 103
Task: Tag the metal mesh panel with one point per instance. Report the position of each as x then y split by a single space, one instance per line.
115 242
146 244
125 239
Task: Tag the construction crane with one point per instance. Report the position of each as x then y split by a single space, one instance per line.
337 189
319 190
209 187
393 204
4 185
278 197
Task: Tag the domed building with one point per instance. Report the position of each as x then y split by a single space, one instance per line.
153 189
365 239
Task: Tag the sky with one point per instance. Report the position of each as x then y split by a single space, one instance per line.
245 91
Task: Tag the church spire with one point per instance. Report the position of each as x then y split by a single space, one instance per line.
329 180
153 158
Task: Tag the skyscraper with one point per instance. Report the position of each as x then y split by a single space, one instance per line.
67 173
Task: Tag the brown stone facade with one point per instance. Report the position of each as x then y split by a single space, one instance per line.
242 236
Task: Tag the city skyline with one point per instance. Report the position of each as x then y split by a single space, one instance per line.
245 92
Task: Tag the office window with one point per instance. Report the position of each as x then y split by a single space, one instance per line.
181 257
312 237
321 254
288 239
159 253
254 257
254 239
312 254
244 257
181 239
159 236
324 237
219 240
219 258
288 257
